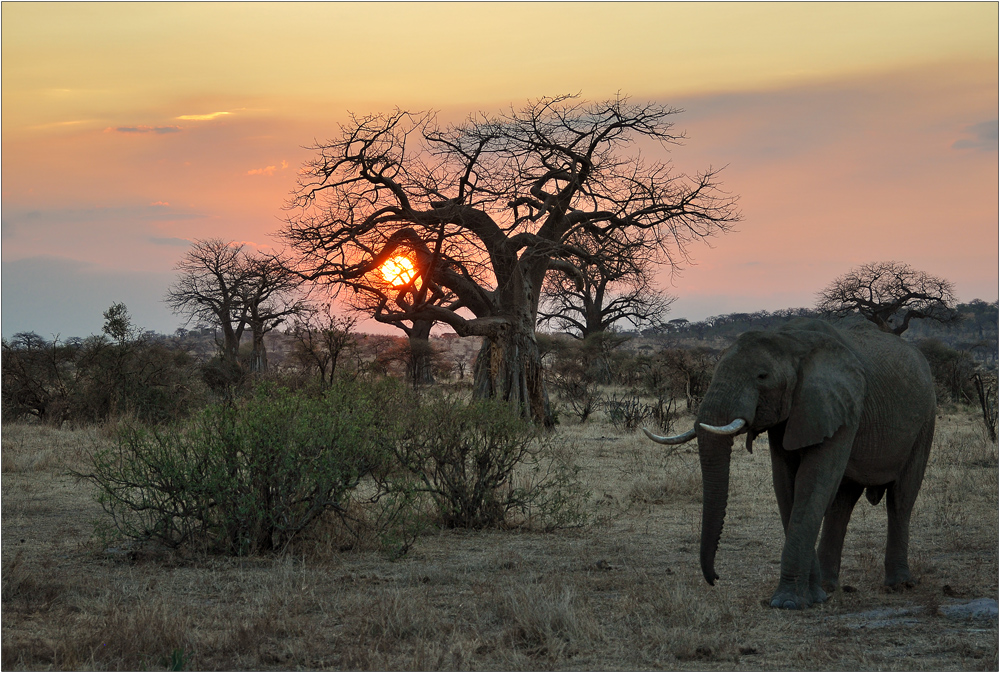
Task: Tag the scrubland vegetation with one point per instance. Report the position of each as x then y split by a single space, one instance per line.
163 511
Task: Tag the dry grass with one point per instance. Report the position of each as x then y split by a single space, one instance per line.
623 592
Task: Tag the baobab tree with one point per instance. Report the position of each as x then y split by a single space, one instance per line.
223 285
890 294
484 209
389 296
270 294
612 289
208 288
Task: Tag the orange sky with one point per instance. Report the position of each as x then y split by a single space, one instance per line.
852 132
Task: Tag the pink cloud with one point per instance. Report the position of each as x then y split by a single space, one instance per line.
269 170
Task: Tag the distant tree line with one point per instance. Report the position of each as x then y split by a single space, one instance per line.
120 372
974 330
651 377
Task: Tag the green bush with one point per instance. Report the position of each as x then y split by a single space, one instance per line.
120 373
247 476
250 475
482 465
952 370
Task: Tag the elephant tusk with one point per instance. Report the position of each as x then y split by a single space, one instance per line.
734 428
678 439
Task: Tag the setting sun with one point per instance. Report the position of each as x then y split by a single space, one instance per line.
397 271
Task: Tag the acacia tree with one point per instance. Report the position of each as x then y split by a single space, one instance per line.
322 338
611 289
487 207
890 294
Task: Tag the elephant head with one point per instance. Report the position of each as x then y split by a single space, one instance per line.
802 385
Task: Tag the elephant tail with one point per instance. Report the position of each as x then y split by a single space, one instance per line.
875 493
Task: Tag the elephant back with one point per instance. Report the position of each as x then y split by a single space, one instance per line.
900 398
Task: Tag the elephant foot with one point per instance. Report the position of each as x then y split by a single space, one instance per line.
899 586
788 603
899 580
787 600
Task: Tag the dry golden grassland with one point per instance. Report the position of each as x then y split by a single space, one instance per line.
622 592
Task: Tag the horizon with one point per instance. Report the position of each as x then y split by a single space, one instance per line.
851 133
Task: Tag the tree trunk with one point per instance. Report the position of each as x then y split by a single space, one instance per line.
421 355
509 368
258 355
230 344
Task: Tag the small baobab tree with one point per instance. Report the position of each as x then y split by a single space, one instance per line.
270 294
611 290
890 294
208 288
395 295
223 285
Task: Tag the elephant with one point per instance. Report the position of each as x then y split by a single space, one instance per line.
846 411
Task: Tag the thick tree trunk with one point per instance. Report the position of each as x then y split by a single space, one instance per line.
230 344
421 356
509 368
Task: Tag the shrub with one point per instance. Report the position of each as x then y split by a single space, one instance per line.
986 390
247 476
627 413
38 377
119 373
142 378
480 463
952 370
572 373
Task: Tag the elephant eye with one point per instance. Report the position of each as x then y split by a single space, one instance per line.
762 376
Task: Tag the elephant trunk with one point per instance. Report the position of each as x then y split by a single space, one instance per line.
715 452
729 409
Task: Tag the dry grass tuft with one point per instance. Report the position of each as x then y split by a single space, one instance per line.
675 488
675 621
43 448
550 621
27 590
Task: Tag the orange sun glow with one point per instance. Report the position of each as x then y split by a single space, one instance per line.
397 271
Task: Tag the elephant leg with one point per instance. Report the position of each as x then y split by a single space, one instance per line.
817 480
900 498
784 464
831 542
897 567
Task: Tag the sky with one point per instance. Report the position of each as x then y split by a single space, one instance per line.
851 132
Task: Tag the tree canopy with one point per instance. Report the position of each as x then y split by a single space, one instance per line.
484 209
890 294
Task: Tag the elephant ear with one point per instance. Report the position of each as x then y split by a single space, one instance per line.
829 395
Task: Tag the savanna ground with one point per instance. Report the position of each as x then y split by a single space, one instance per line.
623 591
